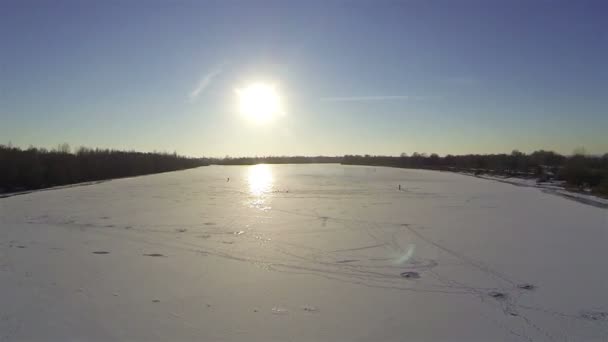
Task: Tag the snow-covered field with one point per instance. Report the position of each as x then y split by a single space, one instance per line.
302 253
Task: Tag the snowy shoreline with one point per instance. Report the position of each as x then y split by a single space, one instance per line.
59 187
554 188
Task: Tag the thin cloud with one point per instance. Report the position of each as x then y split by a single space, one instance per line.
371 98
204 83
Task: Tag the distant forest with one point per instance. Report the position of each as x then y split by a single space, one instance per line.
579 171
35 168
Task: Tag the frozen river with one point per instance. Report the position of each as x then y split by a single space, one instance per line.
302 253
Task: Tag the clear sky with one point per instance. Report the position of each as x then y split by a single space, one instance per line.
377 77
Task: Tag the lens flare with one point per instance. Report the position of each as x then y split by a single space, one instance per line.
259 102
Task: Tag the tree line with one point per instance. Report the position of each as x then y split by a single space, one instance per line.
35 168
578 171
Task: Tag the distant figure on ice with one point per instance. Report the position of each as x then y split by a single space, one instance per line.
227 179
399 187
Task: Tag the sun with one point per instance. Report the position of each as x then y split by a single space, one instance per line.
259 102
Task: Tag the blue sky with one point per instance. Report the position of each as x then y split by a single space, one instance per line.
377 77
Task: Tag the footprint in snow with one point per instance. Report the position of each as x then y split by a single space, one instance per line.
512 313
498 295
526 287
410 275
310 308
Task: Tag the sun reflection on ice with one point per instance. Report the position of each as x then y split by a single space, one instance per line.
259 178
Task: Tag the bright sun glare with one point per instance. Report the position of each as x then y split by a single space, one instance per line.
259 178
259 102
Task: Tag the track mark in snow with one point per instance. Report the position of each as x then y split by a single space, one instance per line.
410 275
101 252
358 248
277 310
323 220
474 263
497 295
526 286
310 308
594 315
155 255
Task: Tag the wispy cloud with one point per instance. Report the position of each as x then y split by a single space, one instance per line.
371 98
204 83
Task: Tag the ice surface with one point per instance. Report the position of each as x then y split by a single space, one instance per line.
302 253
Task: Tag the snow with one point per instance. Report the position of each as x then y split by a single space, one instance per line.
302 252
554 187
